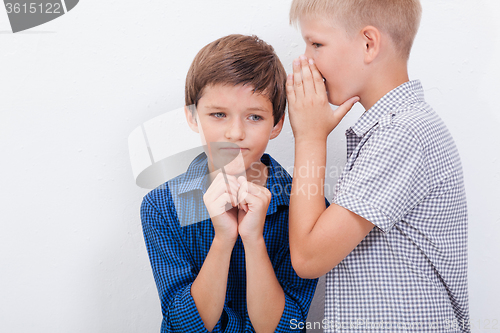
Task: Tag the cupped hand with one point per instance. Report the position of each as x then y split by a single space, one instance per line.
311 116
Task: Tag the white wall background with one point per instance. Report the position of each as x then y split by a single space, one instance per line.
72 256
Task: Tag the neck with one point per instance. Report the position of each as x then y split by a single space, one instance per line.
381 83
257 173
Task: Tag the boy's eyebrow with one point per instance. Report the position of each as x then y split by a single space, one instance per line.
254 108
215 107
258 108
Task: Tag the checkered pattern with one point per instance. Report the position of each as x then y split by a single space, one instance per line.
177 252
404 175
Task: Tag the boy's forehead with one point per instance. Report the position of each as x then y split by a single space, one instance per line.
222 97
312 26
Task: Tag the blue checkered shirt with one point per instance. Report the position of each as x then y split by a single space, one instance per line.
404 175
177 252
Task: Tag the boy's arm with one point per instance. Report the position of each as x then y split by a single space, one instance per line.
209 288
276 297
319 238
265 297
190 301
172 270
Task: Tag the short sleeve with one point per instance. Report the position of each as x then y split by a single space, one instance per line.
387 179
172 271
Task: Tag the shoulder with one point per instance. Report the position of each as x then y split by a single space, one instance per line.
418 129
166 193
415 124
162 194
159 200
277 171
422 122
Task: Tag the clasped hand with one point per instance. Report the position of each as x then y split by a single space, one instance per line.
237 207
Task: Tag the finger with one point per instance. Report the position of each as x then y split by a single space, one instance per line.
227 184
242 193
219 186
290 92
256 202
232 184
233 191
243 190
298 85
243 205
342 110
319 84
307 77
259 191
219 205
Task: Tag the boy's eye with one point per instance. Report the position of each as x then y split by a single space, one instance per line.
316 45
255 117
218 115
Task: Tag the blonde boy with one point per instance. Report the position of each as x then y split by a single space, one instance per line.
394 240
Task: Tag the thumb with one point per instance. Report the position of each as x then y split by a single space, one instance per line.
342 110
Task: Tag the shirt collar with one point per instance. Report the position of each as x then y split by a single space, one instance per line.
278 182
196 177
408 93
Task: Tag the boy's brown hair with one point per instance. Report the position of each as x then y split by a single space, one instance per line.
400 19
238 59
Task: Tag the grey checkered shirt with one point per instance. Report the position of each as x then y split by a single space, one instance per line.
404 175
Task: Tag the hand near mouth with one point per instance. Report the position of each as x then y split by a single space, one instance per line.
311 116
253 202
220 200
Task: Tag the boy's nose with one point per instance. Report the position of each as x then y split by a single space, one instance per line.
308 53
235 131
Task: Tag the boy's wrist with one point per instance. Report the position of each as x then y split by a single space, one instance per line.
224 244
311 139
253 242
310 147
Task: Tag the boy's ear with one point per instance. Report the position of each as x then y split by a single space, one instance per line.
277 128
372 39
191 118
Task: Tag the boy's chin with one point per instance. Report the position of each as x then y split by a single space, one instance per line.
335 100
235 171
234 167
331 98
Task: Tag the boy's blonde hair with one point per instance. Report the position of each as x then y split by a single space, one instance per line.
400 19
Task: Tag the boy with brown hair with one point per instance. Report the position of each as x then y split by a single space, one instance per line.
218 241
394 240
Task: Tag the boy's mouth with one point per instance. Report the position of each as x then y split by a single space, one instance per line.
235 150
230 147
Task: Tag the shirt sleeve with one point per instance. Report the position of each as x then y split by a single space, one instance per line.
298 294
172 270
387 179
